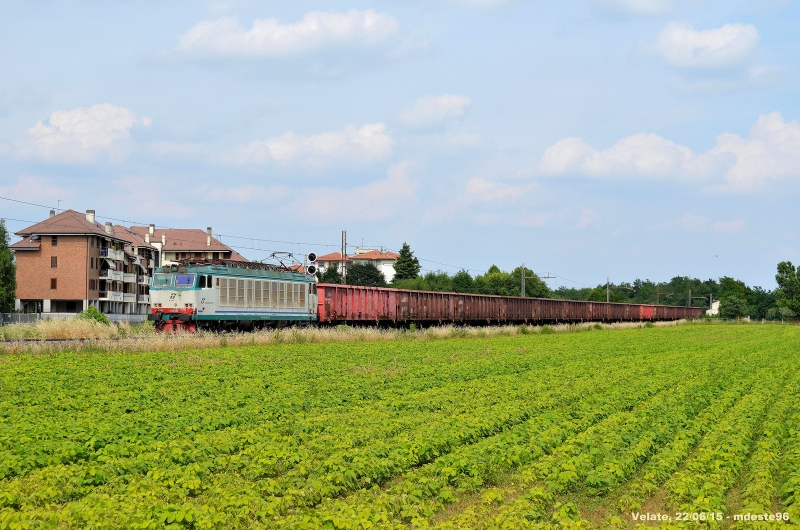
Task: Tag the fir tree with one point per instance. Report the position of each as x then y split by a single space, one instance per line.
407 266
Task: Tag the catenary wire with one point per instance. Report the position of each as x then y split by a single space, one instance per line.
252 239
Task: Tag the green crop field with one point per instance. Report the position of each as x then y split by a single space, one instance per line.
569 430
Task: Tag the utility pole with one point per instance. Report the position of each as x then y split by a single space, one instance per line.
344 256
690 298
608 290
523 272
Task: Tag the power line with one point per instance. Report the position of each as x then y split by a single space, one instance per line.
140 223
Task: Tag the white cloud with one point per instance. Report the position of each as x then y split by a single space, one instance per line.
429 111
349 144
771 151
729 227
317 31
683 46
246 193
479 3
637 7
697 223
479 190
587 218
634 7
377 200
82 134
760 75
32 186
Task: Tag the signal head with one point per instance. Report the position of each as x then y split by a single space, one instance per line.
312 257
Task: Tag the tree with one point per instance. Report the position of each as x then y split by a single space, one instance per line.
733 307
331 275
8 272
462 282
407 266
365 274
779 313
788 279
598 294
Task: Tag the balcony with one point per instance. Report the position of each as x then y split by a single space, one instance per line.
110 253
144 280
129 297
144 299
111 296
111 276
129 277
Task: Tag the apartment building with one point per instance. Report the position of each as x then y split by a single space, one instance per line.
175 244
382 259
70 261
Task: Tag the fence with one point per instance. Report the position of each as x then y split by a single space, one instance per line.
32 318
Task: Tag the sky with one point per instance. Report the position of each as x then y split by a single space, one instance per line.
588 139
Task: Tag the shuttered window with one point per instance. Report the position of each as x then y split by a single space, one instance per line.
240 293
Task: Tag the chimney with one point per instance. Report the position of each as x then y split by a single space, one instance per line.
152 229
163 239
52 213
208 236
109 229
147 237
90 216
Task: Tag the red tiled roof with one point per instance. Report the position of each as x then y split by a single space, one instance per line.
130 237
376 255
26 244
184 240
67 222
333 256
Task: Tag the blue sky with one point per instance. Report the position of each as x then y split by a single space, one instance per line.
586 138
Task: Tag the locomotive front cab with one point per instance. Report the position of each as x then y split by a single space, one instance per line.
174 299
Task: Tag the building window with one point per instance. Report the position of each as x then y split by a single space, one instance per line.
216 255
53 262
54 241
53 283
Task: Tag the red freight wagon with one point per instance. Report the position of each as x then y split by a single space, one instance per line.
354 304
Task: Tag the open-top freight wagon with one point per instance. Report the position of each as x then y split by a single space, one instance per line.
227 295
349 304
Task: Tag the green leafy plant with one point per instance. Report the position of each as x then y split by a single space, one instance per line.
92 313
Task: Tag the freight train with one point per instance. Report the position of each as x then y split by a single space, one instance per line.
230 295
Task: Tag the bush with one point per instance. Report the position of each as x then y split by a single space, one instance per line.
780 313
733 307
547 330
92 313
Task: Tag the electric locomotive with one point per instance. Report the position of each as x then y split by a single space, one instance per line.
230 295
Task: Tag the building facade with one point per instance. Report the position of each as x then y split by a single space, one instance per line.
382 259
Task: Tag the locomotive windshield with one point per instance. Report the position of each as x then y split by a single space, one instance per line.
184 280
162 280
